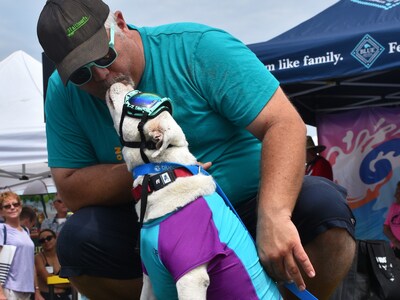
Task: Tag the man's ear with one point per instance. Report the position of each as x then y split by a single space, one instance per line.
119 18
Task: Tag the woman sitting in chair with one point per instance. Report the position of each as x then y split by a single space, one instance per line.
47 264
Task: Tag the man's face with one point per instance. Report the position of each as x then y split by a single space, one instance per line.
310 155
59 205
124 66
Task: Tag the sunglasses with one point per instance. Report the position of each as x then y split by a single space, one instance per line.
46 239
84 74
8 206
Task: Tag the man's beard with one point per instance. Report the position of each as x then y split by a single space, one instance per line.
103 86
123 79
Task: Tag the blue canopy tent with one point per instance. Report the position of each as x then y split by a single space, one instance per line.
346 57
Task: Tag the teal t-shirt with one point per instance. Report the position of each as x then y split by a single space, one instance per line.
217 87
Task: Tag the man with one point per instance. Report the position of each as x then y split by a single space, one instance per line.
57 222
28 219
233 114
317 165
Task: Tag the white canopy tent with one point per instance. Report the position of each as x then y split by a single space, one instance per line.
23 151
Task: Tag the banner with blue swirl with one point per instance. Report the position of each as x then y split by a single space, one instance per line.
363 147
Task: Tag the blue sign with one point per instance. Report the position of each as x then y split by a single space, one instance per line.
367 51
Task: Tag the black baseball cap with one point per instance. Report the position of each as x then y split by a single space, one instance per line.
72 33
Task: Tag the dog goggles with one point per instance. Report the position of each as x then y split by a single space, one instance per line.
142 106
137 104
84 74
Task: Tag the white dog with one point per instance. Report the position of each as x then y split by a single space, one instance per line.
193 246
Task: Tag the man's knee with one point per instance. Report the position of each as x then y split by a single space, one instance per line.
321 206
332 254
333 246
99 288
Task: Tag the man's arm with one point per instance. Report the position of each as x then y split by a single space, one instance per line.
105 184
282 132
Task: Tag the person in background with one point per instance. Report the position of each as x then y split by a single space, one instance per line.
391 226
28 220
47 264
21 281
233 113
317 165
56 223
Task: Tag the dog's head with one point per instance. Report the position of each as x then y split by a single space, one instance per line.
168 137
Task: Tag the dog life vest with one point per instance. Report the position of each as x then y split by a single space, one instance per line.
204 231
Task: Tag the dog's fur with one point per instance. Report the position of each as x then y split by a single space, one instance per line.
171 146
165 132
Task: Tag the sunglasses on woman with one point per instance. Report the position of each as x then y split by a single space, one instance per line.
84 74
8 206
46 239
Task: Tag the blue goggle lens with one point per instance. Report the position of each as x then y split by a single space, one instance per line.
144 100
138 103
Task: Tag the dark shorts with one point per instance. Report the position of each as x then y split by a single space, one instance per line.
321 205
101 241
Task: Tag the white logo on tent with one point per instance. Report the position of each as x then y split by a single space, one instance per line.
388 4
367 51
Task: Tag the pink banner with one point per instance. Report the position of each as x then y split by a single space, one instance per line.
363 147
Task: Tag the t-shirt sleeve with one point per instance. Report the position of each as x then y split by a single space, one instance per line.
67 145
235 82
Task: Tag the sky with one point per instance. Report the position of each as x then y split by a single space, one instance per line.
251 21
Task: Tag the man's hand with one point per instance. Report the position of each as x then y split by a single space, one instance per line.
206 165
281 252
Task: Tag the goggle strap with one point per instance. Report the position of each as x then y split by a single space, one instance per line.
143 138
143 144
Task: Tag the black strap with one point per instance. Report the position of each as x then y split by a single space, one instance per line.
143 198
149 144
142 144
5 234
143 138
26 229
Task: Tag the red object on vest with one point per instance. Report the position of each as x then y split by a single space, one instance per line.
137 191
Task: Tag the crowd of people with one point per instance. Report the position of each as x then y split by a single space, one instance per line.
31 266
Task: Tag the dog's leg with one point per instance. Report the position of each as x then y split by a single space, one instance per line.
147 289
193 285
